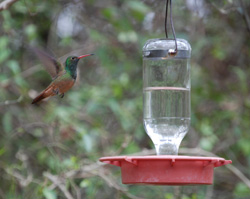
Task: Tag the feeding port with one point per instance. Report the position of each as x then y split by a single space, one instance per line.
166 170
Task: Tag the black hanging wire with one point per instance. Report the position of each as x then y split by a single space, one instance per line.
171 22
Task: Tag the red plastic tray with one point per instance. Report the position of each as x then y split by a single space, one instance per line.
166 170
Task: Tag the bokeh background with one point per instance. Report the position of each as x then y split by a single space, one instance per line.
51 151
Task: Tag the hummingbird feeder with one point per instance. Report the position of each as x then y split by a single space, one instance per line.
166 100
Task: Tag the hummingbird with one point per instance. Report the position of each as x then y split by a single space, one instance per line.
63 75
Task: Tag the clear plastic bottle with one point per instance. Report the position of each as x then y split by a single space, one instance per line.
166 93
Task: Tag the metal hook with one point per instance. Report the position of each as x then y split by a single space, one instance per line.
171 51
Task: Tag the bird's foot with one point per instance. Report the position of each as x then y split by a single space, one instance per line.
56 91
62 95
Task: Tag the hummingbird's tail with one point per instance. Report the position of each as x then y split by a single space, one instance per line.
39 98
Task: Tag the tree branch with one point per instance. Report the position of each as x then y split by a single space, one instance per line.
239 174
23 181
6 4
245 14
11 102
59 183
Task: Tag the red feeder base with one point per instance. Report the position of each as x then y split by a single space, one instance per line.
166 170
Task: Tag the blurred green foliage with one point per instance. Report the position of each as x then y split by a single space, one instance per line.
102 114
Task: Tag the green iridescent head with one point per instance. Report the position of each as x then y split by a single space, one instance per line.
71 64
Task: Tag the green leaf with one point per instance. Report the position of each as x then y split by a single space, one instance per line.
169 196
87 142
85 183
7 122
242 190
138 9
219 53
206 144
244 146
206 128
14 66
110 13
21 82
129 36
38 132
4 42
4 55
42 156
124 79
49 194
242 76
2 151
138 6
31 31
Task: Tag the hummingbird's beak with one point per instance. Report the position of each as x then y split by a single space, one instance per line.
82 56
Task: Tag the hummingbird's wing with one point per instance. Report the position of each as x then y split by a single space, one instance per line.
51 64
